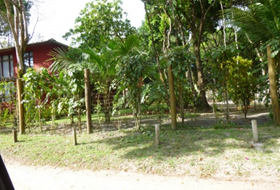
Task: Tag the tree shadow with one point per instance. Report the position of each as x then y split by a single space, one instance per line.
185 142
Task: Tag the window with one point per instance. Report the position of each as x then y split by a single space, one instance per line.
6 66
28 60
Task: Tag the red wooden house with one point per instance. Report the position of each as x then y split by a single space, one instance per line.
36 55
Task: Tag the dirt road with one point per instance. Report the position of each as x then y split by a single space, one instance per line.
50 178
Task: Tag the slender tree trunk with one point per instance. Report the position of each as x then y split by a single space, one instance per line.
79 119
227 104
87 100
153 43
21 123
273 87
225 44
40 116
172 98
107 102
71 119
138 110
181 95
16 15
189 67
215 106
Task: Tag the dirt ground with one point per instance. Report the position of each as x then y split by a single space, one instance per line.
46 178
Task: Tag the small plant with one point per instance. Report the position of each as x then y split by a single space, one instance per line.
223 125
98 109
4 116
270 115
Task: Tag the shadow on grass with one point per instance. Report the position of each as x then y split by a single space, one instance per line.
185 142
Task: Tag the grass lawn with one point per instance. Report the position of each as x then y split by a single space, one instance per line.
202 152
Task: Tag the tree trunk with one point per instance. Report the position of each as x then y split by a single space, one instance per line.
87 100
107 102
273 87
215 106
172 98
202 104
227 105
181 94
21 123
16 15
137 111
40 116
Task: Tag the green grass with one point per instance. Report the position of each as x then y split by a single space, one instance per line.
224 153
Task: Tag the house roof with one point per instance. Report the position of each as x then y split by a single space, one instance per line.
47 42
50 41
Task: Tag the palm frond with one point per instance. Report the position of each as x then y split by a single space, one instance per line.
60 58
260 20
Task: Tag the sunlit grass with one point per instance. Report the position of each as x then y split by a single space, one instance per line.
226 153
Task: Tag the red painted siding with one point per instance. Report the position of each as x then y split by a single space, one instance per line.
40 53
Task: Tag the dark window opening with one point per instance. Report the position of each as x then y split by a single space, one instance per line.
28 60
6 66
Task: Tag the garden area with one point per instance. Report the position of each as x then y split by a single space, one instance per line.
97 105
199 148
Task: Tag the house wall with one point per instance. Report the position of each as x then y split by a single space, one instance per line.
40 54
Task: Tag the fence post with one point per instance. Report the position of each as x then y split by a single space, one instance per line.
157 129
74 136
15 135
255 130
20 106
87 100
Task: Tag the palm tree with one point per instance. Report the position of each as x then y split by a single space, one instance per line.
260 21
101 65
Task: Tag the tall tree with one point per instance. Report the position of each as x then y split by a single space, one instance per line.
163 20
99 22
17 19
199 16
260 20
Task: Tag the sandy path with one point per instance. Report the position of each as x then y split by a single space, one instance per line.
50 178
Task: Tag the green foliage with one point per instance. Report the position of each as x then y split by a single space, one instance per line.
100 22
242 83
7 102
5 31
61 91
180 59
132 69
4 116
37 85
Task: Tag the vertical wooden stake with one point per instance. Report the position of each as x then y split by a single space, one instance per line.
74 136
255 130
20 106
87 100
157 134
15 135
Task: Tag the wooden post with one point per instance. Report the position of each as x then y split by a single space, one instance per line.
15 135
255 130
74 136
20 107
157 134
87 100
